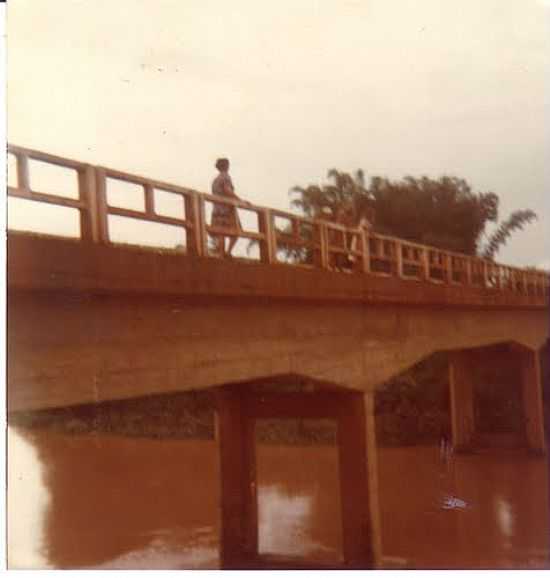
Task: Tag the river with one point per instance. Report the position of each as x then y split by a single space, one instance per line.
110 501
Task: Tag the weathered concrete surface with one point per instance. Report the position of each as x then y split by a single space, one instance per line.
57 264
461 385
89 323
531 385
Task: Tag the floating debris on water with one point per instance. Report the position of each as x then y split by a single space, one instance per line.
454 503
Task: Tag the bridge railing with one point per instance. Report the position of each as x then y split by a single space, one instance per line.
189 219
281 237
85 201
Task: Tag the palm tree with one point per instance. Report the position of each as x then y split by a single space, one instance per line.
515 221
345 191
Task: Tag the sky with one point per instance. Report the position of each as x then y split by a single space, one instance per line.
289 89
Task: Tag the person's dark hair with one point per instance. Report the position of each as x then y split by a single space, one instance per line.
222 164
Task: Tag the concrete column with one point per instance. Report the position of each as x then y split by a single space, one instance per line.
354 482
230 435
462 400
372 469
531 386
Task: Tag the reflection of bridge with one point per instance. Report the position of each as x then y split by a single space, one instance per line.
90 321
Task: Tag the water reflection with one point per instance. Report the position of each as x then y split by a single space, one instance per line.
128 502
168 550
297 473
505 516
284 522
28 501
488 510
107 501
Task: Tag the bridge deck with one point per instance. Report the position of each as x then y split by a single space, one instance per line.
53 264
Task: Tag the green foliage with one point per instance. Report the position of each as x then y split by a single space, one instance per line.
413 406
515 221
342 191
444 212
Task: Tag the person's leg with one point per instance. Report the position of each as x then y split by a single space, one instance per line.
233 240
218 240
220 245
232 243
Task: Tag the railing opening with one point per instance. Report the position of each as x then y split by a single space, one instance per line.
129 231
125 195
33 216
53 179
168 204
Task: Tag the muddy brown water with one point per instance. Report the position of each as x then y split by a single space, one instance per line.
105 501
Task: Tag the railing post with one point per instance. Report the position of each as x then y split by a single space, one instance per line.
267 244
468 270
540 285
23 181
448 268
365 250
398 258
149 193
512 280
424 263
498 280
89 226
531 288
323 241
524 284
194 233
203 242
486 282
101 206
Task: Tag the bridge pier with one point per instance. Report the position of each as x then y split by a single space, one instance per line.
461 383
238 408
531 389
372 469
525 364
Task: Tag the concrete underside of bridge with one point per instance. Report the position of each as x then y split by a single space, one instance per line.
89 323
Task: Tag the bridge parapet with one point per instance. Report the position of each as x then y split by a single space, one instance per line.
319 241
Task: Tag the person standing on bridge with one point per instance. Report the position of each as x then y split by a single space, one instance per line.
225 216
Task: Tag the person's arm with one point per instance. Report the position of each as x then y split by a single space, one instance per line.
230 191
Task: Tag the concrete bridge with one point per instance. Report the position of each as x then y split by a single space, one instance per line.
90 320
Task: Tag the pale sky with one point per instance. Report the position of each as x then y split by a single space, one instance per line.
290 89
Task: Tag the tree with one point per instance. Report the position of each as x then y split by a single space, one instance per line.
445 212
515 221
324 201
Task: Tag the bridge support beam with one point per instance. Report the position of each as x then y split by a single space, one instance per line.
462 400
372 468
531 389
230 436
